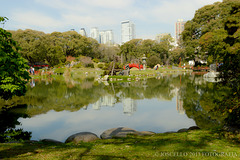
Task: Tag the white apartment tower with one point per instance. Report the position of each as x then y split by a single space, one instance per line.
128 31
94 33
83 32
179 27
106 37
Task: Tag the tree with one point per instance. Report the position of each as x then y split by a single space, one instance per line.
31 43
131 49
163 48
13 68
153 60
215 31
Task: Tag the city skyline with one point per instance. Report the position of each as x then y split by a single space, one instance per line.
150 17
102 36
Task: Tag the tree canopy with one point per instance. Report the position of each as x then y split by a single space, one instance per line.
134 49
215 32
13 68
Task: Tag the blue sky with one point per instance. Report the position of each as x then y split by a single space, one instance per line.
151 17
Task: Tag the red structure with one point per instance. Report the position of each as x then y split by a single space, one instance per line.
134 65
38 64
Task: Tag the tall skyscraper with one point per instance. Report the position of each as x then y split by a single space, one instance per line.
106 37
179 27
83 32
94 33
128 31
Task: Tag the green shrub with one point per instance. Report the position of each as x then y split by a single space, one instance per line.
15 135
79 65
106 66
153 60
59 70
95 60
100 66
89 65
59 65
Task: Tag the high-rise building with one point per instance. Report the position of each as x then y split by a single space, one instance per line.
94 33
128 31
179 27
102 37
109 37
83 32
106 37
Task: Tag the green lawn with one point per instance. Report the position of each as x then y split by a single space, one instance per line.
198 144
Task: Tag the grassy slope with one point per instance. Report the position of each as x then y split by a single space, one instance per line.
199 144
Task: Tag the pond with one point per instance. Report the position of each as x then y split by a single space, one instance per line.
56 108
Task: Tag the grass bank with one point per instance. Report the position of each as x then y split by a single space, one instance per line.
197 144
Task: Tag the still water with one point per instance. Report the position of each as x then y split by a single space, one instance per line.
58 108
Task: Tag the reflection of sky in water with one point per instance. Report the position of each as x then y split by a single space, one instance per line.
150 115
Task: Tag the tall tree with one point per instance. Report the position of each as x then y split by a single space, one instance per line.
13 68
215 32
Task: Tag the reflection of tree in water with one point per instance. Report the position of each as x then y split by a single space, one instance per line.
200 101
149 88
199 98
58 96
9 120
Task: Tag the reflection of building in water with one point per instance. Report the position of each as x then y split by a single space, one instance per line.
107 100
179 101
179 104
129 106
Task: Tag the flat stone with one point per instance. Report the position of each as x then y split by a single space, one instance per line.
182 130
145 133
82 137
193 128
118 132
51 141
170 132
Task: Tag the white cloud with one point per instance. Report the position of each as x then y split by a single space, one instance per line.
112 4
32 19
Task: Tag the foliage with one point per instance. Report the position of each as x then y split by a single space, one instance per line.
53 48
13 67
95 60
15 135
215 31
60 70
79 65
153 60
135 49
86 61
100 66
90 65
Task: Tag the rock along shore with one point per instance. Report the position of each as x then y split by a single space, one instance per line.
109 134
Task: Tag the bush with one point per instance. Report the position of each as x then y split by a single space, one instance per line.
89 65
95 60
100 65
79 65
59 70
15 135
153 60
59 65
106 66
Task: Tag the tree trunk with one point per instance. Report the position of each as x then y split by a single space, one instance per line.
113 66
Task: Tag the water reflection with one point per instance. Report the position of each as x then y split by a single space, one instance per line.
57 108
